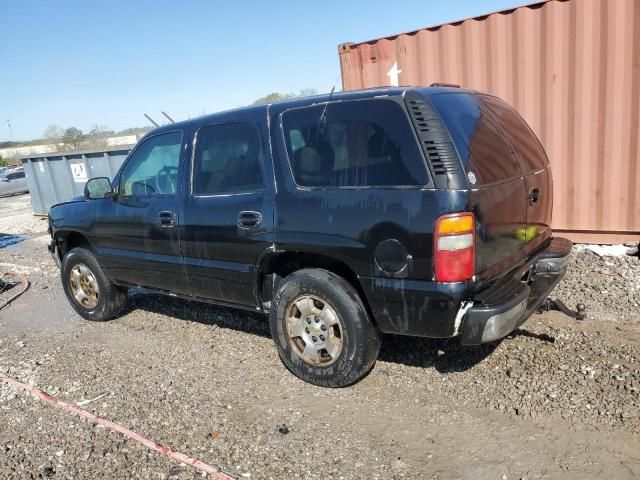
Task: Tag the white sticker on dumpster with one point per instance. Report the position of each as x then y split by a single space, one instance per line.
79 172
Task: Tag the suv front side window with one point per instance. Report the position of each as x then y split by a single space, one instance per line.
153 167
358 143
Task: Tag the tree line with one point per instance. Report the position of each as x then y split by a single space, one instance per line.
73 138
278 96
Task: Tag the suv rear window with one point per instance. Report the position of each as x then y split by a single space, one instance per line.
353 144
530 153
482 147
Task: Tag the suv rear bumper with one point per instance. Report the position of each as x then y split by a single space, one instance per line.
508 304
431 309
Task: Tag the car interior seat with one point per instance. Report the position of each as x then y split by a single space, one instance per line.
314 164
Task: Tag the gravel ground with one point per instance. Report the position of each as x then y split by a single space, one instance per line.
558 399
608 286
17 217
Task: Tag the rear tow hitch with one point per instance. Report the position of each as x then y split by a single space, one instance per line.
556 304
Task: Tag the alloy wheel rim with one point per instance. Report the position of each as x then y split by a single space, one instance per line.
314 330
83 286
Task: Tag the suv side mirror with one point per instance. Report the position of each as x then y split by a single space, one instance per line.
99 187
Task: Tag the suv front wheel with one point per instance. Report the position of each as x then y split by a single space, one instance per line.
89 291
322 330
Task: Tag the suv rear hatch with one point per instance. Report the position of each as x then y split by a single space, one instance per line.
505 170
535 168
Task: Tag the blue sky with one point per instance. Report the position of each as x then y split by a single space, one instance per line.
80 63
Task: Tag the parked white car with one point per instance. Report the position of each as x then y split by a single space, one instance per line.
13 182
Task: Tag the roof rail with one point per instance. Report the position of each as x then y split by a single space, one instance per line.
439 84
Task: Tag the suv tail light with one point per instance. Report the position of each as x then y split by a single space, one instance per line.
454 247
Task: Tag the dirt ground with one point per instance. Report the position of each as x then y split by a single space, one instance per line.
558 399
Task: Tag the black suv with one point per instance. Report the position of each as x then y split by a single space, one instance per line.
413 211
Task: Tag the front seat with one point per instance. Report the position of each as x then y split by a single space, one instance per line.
235 174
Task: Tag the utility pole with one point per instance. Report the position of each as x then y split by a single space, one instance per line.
10 131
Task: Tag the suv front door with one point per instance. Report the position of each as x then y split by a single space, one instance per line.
228 211
137 237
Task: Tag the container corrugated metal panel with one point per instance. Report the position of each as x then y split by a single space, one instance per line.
57 178
570 67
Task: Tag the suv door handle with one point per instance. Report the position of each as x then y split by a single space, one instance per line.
534 195
249 219
167 219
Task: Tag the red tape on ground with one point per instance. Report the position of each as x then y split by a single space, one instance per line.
155 446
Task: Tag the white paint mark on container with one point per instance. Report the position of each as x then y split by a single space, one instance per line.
394 75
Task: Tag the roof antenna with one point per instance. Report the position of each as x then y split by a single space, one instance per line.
323 117
168 117
151 120
322 121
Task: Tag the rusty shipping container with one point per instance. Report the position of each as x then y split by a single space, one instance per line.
570 67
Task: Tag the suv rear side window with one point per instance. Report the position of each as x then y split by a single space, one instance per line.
354 144
531 154
483 149
227 159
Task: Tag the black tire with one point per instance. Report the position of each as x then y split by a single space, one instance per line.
111 298
360 346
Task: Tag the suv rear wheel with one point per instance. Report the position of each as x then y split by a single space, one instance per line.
89 291
322 330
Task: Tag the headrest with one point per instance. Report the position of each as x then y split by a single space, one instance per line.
310 162
375 146
326 151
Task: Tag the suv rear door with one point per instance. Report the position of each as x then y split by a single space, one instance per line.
227 217
535 167
497 191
